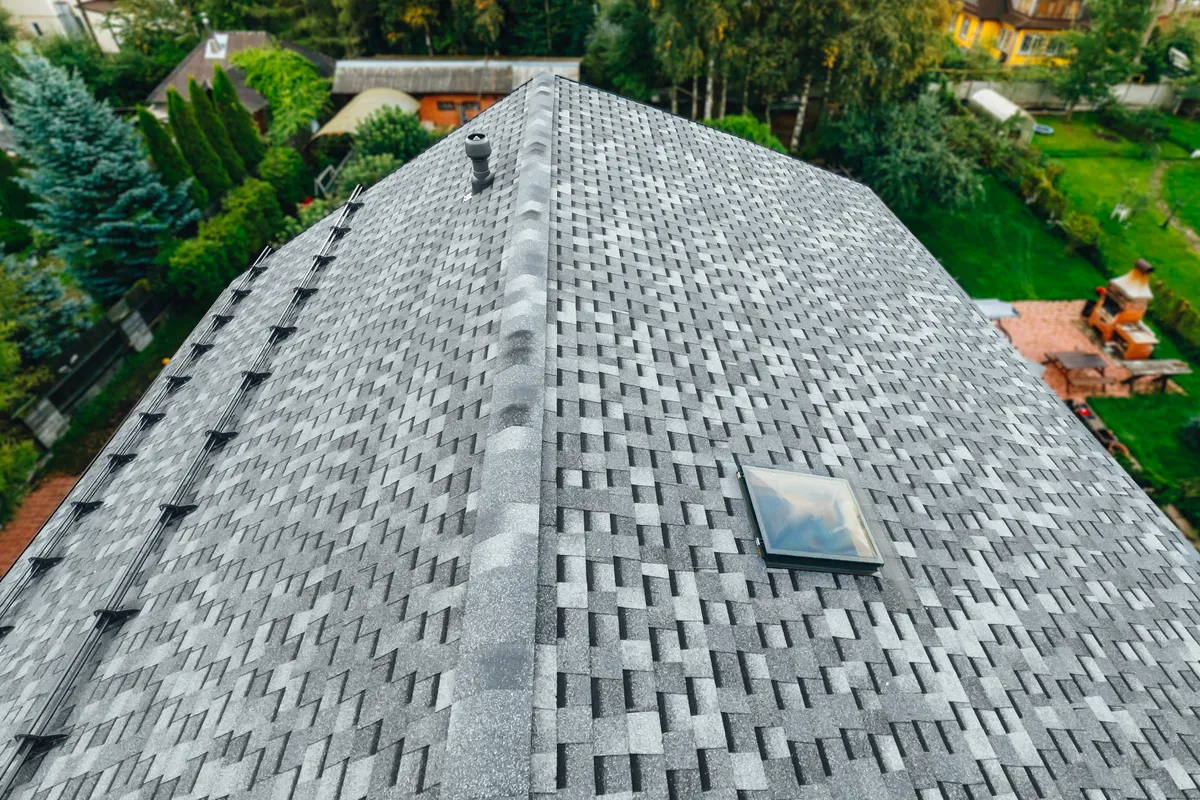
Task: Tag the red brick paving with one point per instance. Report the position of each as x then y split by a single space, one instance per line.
31 516
1047 326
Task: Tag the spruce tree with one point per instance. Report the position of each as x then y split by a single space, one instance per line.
238 123
95 192
206 164
214 131
170 163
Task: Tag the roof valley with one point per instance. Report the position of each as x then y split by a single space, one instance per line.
489 742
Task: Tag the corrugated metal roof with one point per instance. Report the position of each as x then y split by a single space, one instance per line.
417 75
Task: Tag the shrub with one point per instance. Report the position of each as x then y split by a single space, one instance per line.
226 243
295 91
284 169
747 127
365 170
1082 230
306 216
17 461
1189 433
904 151
393 132
1147 125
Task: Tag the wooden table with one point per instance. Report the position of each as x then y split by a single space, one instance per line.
1160 370
1072 363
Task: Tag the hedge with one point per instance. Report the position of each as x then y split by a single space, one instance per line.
17 461
250 217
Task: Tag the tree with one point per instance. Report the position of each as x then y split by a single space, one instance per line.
97 196
205 163
1103 55
214 131
392 131
14 208
811 29
44 316
620 51
678 49
295 91
238 123
152 24
903 151
401 16
888 46
172 167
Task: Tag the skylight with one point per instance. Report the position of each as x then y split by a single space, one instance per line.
810 522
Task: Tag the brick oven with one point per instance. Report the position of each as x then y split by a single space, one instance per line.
1118 315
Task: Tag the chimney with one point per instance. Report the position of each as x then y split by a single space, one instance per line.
1143 266
478 149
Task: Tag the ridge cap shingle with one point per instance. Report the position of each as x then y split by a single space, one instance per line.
489 743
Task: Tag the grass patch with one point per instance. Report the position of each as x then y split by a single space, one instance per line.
1084 137
95 421
1001 249
1148 425
1185 131
1181 182
1096 185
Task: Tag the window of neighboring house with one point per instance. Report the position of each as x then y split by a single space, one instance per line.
1055 46
1032 44
1004 40
1027 7
445 105
964 26
69 22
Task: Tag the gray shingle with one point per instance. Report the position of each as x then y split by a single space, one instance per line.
386 589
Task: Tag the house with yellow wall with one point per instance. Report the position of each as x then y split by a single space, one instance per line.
1018 32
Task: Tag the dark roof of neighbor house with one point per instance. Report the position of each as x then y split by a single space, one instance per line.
199 66
465 520
1002 10
446 75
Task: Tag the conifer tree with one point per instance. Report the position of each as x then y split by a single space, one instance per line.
172 167
214 131
238 123
206 164
95 192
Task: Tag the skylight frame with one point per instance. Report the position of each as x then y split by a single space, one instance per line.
813 561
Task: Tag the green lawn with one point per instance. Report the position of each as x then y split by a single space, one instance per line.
1182 182
1149 426
1000 249
1083 137
1096 185
1185 131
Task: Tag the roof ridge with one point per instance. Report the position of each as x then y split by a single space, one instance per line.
489 744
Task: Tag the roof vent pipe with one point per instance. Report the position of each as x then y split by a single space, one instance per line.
478 149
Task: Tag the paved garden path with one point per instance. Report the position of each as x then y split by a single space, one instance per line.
1164 208
33 513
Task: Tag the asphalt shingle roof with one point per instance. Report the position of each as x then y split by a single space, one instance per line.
479 532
